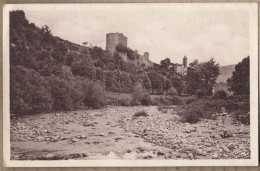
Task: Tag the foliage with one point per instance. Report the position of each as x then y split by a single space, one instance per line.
202 76
132 55
188 101
177 100
140 113
209 72
28 92
243 116
124 102
140 96
156 81
172 92
200 93
192 115
239 81
95 95
46 30
221 94
207 108
202 108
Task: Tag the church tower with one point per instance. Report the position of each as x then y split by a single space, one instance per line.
185 61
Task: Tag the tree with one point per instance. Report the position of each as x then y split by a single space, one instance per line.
167 85
46 30
146 82
202 76
156 81
165 63
239 81
85 43
209 72
193 77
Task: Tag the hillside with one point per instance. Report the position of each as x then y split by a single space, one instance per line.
51 74
225 73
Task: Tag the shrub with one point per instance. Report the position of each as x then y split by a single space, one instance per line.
177 100
188 101
243 116
192 115
200 93
172 92
202 108
221 94
140 96
124 102
145 99
95 95
29 92
140 113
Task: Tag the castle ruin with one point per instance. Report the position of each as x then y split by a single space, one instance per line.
178 68
114 39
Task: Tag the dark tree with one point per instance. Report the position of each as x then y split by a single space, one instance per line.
202 76
239 81
209 72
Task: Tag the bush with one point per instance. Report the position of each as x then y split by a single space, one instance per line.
140 96
192 115
221 94
188 101
243 116
29 92
202 108
140 113
124 102
95 95
172 92
177 100
145 99
200 93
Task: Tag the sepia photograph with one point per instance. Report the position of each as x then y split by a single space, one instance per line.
130 84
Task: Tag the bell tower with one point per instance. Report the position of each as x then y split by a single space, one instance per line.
185 61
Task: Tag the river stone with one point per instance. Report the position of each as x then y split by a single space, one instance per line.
225 149
215 155
40 138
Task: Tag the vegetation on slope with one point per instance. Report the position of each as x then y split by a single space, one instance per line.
51 74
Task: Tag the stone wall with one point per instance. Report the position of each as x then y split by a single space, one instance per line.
113 39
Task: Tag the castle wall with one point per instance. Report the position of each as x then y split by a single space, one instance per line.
179 69
122 39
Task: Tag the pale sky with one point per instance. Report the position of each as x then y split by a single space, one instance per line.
165 31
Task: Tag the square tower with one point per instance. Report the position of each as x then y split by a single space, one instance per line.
114 39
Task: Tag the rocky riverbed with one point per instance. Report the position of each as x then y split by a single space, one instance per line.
114 133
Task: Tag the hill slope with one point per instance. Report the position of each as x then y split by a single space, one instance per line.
225 73
48 73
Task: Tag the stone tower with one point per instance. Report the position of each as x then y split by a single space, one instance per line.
185 61
113 39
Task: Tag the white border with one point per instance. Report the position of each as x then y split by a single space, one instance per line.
253 43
